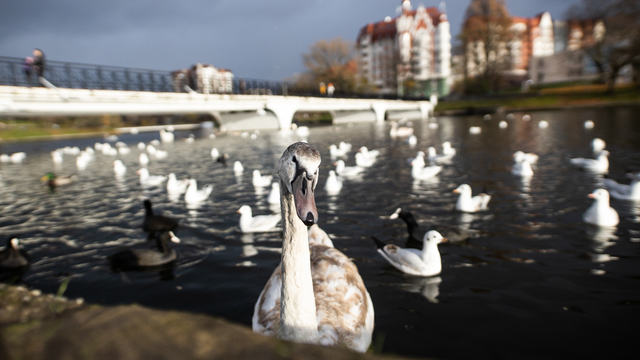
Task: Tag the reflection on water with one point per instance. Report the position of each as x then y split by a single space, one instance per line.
522 261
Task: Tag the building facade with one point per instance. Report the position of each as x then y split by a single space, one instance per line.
409 54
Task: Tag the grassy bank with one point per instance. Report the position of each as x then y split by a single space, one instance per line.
583 95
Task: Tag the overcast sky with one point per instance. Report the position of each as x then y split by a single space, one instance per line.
261 39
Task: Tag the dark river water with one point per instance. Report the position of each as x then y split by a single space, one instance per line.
535 282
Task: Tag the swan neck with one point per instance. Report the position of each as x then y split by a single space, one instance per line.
297 307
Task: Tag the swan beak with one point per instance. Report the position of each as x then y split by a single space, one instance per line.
444 240
304 199
456 191
591 196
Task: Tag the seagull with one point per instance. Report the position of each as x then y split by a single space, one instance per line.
600 213
150 180
261 180
423 173
426 262
144 159
623 191
438 158
415 234
118 167
363 161
419 159
274 195
598 166
336 151
176 187
597 145
530 157
522 168
400 131
237 167
259 223
447 149
469 204
215 153
195 195
343 170
333 184
475 130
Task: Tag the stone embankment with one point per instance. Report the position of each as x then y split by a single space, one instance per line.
42 326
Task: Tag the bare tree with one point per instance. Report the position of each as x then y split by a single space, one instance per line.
619 46
332 62
485 38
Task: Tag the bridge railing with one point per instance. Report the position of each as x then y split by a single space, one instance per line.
85 76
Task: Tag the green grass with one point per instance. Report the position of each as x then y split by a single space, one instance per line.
23 130
557 97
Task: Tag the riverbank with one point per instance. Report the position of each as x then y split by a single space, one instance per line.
43 326
546 99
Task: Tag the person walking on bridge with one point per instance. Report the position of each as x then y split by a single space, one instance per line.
38 62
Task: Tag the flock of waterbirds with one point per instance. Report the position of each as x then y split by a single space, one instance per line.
300 300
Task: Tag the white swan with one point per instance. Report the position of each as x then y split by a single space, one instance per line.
195 195
597 145
600 213
425 262
343 170
119 168
623 191
259 223
599 166
176 187
333 184
423 173
150 180
530 157
466 203
318 236
260 180
316 295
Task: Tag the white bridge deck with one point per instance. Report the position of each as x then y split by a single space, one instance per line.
38 101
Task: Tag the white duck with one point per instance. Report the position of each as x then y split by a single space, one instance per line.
119 168
195 195
150 180
259 223
176 187
401 131
600 213
425 262
530 157
419 172
316 295
343 170
623 191
469 204
598 166
333 184
260 180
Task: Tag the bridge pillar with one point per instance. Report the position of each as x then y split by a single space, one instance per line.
426 109
284 111
380 110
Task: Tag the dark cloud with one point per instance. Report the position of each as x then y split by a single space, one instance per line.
261 39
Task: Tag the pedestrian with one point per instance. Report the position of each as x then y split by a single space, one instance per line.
27 68
38 62
330 90
323 89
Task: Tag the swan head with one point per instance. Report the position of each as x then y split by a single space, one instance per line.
433 236
298 171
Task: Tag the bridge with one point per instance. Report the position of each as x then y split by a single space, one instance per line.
150 93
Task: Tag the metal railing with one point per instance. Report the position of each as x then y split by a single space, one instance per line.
85 76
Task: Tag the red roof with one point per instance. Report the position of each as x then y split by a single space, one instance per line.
384 29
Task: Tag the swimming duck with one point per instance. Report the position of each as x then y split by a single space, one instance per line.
416 233
136 259
156 223
58 180
426 262
12 256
